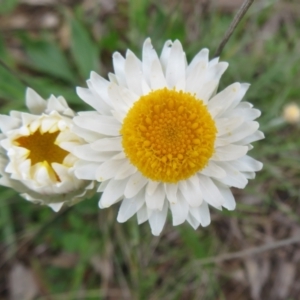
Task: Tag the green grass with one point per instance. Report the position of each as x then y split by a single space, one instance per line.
134 264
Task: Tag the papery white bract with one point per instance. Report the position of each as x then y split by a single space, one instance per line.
34 155
161 138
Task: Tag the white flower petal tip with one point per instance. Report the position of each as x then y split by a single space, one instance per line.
35 103
56 206
147 42
162 138
157 219
35 153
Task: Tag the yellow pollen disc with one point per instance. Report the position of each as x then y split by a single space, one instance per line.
168 135
42 148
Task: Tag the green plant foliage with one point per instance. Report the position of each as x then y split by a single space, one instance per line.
84 50
7 6
46 56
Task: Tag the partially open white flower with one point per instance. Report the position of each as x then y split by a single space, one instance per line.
35 159
162 138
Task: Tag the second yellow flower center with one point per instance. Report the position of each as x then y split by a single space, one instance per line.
168 135
42 149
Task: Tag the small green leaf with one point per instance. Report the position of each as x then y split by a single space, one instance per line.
47 57
83 49
11 89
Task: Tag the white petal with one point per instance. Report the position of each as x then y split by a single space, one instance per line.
191 191
103 186
164 57
128 96
244 110
216 71
64 174
193 222
119 68
35 103
213 62
256 136
130 206
112 78
85 152
244 88
227 125
108 144
89 136
119 156
196 77
175 71
56 206
119 115
157 199
201 56
145 87
135 183
157 219
149 56
26 118
91 99
211 81
133 73
24 169
109 169
114 92
229 202
247 164
243 131
86 170
103 124
157 78
151 187
8 123
220 102
56 104
211 193
125 170
100 86
41 175
179 210
195 212
205 92
234 177
204 214
213 170
113 192
142 215
64 103
171 192
47 124
229 152
249 175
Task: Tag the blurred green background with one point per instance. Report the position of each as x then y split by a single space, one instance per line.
82 252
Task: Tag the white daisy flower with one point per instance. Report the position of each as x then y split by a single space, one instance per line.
34 154
161 138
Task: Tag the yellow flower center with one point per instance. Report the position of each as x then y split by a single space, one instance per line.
168 135
42 148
